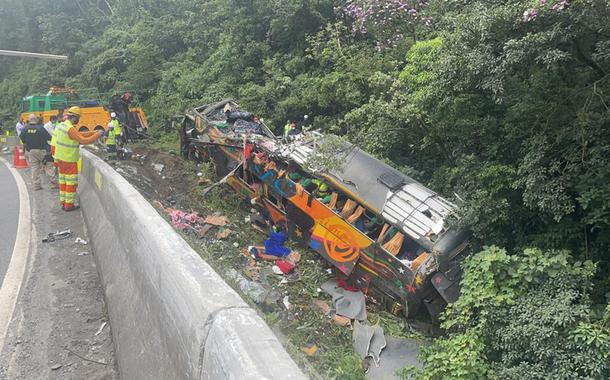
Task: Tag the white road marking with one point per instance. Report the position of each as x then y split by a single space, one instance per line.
16 269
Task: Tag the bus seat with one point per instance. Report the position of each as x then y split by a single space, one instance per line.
393 246
419 260
334 197
357 214
384 230
348 208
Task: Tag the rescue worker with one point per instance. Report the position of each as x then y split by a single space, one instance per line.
293 131
322 192
20 126
50 125
118 131
306 123
50 128
34 138
67 153
286 128
111 138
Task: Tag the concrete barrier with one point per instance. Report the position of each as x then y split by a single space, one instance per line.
9 141
172 316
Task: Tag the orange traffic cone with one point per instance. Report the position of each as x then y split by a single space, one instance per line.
19 161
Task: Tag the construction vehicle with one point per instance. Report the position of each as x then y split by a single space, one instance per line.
95 115
384 232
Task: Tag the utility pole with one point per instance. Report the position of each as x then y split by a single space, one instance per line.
25 54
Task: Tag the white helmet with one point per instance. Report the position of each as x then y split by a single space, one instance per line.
112 114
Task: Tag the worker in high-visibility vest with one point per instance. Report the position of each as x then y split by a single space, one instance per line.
67 153
323 191
116 127
111 133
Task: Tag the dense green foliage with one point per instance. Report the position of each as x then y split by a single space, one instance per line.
502 106
525 316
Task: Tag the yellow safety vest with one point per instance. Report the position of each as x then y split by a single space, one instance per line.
53 135
117 127
111 140
66 149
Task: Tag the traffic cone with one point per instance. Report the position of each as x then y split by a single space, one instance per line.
19 161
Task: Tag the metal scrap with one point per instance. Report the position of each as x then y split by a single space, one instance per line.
59 235
368 341
216 220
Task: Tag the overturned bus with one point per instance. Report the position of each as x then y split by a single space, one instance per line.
385 232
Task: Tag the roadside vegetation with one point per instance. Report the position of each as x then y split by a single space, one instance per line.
503 106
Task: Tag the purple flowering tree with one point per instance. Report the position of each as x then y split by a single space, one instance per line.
545 6
388 22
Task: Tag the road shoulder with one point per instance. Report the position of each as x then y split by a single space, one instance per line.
59 329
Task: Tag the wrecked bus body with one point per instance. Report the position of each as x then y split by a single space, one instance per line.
381 229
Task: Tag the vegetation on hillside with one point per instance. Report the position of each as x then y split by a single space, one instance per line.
503 106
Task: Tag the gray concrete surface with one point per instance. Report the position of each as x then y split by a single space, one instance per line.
9 141
173 317
55 331
9 199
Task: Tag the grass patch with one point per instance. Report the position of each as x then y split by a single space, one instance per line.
167 142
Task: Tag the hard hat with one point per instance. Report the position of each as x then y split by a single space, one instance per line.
32 119
112 114
306 117
74 110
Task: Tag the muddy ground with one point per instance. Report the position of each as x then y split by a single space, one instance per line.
321 347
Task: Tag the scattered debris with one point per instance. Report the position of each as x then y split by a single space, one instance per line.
216 220
203 181
223 234
368 341
294 257
236 245
340 320
252 271
56 367
277 270
54 236
286 302
323 306
284 266
99 331
183 220
83 253
398 353
201 232
327 311
84 358
158 167
310 349
258 292
346 303
81 241
156 204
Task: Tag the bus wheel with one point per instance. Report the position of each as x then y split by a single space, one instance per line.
99 128
83 129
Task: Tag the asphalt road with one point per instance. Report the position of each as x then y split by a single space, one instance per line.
9 216
58 329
